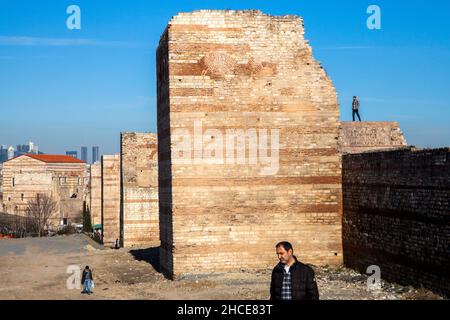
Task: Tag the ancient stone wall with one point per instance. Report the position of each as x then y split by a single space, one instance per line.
397 215
96 193
232 84
110 199
139 189
355 137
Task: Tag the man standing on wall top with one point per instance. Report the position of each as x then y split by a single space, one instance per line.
291 279
355 108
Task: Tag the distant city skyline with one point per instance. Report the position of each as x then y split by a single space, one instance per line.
84 87
72 153
8 151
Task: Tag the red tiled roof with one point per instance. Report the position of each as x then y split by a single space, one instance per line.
50 158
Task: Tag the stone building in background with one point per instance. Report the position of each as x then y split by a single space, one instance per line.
220 72
63 178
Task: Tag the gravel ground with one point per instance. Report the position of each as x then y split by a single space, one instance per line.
37 269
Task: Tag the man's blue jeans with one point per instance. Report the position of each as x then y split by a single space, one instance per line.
87 286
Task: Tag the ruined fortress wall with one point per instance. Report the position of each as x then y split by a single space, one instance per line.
96 193
396 215
110 199
230 70
139 189
358 137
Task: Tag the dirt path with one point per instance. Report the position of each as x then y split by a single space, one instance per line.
36 269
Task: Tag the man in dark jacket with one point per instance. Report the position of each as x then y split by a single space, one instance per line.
86 280
291 279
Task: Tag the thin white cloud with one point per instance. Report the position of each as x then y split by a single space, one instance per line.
346 48
60 42
402 100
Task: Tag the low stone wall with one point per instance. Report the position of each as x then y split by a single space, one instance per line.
356 137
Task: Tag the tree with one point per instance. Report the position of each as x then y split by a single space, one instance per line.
40 209
87 223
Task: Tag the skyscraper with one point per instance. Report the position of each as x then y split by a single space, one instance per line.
32 148
3 153
94 154
10 152
84 155
72 154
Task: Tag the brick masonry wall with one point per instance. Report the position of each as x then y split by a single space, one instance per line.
232 70
110 199
96 193
355 137
139 189
397 215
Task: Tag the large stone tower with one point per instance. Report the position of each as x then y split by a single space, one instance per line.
248 124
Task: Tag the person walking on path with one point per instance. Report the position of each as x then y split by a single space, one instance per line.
355 108
87 280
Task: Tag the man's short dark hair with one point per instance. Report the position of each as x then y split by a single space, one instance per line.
286 245
354 97
87 267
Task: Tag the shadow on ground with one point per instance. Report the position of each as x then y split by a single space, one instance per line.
150 255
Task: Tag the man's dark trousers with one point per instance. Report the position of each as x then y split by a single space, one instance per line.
357 113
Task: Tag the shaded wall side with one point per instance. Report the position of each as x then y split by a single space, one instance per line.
396 215
164 159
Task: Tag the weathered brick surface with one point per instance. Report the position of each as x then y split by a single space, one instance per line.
110 199
355 137
139 189
96 193
397 215
242 70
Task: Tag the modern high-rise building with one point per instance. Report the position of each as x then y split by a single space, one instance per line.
10 152
95 154
72 154
3 153
32 148
84 154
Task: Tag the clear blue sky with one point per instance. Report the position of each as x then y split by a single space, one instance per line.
66 88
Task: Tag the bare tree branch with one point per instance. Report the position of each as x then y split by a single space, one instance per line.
41 209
